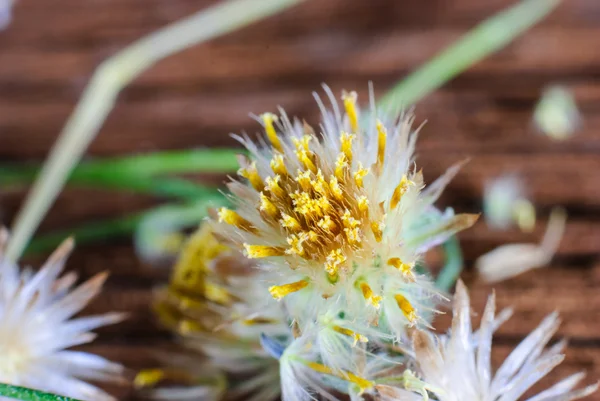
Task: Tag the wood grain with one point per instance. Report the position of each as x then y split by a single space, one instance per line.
198 97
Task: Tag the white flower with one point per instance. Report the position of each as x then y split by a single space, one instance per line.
329 214
36 328
505 203
457 367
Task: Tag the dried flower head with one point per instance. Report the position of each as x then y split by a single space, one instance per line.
36 328
329 212
457 367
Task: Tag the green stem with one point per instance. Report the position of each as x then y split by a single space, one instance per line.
26 394
453 266
486 38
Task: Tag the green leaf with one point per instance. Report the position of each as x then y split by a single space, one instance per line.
26 394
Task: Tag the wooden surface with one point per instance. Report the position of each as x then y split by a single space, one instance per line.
198 97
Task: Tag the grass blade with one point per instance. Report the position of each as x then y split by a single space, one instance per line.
486 38
106 83
26 394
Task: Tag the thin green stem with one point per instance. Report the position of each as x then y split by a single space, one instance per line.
486 38
106 83
453 267
27 394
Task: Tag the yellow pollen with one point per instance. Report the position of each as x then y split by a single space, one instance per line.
326 224
148 378
346 142
355 336
350 106
268 119
232 218
251 174
353 235
407 309
363 204
273 186
319 184
381 141
369 296
267 206
262 251
313 236
362 383
348 220
303 178
217 293
336 189
340 166
360 174
278 166
289 222
280 291
377 229
404 268
258 320
302 143
305 158
334 261
400 191
295 242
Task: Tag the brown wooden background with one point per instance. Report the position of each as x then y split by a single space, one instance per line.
198 97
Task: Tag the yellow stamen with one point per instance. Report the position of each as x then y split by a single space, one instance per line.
278 166
360 174
295 242
319 184
363 204
407 309
289 222
377 229
216 293
273 186
251 174
268 119
369 296
353 235
148 378
336 189
334 261
262 251
280 291
381 141
348 220
305 158
302 143
362 383
267 206
303 178
341 164
230 217
326 224
350 106
405 268
400 191
258 320
355 336
346 142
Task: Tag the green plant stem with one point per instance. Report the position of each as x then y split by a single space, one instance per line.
486 38
26 394
100 96
451 270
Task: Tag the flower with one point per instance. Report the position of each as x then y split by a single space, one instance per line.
329 215
505 203
36 328
457 366
217 304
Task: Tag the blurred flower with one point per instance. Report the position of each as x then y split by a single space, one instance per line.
330 216
35 329
457 367
505 204
510 260
217 304
556 114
